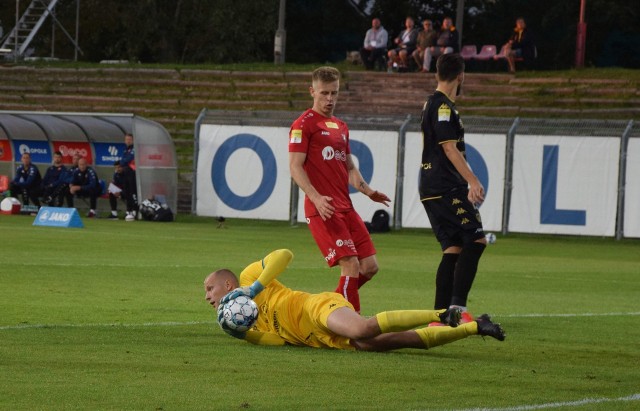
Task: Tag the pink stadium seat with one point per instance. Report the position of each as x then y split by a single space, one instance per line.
469 52
487 52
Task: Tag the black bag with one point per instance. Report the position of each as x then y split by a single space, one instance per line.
152 210
379 222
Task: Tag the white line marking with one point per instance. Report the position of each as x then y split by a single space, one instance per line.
567 315
179 324
586 401
114 325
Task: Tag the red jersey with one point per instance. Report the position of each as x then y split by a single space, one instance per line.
326 143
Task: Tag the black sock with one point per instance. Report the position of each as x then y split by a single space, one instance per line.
444 281
465 272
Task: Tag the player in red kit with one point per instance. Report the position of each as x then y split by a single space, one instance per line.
321 165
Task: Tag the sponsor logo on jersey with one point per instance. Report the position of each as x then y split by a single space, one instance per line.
295 137
444 112
331 255
328 153
331 124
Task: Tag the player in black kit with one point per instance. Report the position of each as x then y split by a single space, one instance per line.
449 191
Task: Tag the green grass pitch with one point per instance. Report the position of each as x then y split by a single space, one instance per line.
112 317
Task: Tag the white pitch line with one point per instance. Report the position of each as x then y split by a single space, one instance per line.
534 315
179 324
114 325
586 401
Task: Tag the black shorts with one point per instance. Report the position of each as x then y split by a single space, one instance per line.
454 220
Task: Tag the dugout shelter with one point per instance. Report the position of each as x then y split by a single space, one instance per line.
97 137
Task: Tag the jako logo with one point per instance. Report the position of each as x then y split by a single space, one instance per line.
113 150
44 216
62 217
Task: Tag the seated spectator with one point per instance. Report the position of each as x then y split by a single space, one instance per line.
53 182
118 181
85 183
519 46
404 44
375 45
129 178
447 43
27 181
68 178
426 38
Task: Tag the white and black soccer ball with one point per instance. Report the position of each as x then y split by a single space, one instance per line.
240 313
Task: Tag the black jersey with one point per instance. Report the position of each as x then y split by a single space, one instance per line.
440 124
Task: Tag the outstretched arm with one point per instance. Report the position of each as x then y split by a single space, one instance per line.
357 181
272 266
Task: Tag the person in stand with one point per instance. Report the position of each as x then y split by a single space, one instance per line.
85 183
326 320
520 46
321 165
130 188
426 39
447 42
449 191
27 181
375 45
117 183
404 45
53 185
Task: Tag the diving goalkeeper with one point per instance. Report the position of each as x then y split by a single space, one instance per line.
327 320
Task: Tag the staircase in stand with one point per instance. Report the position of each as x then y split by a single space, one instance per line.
34 16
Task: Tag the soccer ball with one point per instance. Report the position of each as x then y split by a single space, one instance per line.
240 313
491 238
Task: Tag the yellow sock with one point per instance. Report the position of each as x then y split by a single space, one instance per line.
435 336
402 320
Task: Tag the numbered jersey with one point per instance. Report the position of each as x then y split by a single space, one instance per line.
326 143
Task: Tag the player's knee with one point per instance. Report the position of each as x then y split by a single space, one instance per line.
367 328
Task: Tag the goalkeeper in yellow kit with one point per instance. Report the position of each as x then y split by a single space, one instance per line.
327 320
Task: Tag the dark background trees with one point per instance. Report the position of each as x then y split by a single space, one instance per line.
318 31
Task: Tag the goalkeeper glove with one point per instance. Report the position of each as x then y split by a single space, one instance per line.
223 324
250 292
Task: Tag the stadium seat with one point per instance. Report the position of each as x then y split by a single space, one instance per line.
486 52
469 52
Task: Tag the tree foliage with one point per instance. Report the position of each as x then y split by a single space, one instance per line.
225 31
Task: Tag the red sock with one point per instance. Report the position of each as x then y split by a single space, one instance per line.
362 280
348 288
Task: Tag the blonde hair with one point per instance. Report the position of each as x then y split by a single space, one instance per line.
325 74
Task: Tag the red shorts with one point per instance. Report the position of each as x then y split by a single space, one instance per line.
342 235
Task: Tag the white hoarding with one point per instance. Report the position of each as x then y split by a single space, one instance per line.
375 155
564 185
485 155
632 190
243 172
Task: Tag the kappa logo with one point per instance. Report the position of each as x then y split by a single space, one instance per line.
456 201
464 221
460 211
